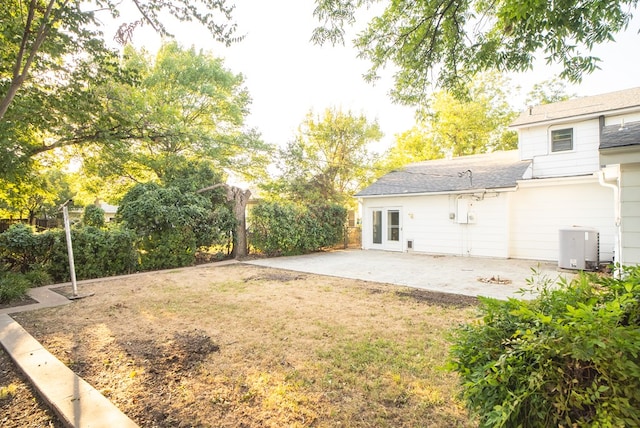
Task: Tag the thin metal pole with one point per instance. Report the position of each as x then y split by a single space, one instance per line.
72 267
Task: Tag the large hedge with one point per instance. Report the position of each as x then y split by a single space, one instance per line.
570 357
171 224
98 252
287 229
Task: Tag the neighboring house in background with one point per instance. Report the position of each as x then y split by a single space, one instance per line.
567 172
109 210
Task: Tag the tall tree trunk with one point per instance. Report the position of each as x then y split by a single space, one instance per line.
240 199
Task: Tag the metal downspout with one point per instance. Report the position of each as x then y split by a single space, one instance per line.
616 201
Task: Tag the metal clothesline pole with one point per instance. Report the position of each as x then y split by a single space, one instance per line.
67 232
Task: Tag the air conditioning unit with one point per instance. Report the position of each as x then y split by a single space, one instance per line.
579 248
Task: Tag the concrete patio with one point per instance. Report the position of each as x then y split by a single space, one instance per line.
469 276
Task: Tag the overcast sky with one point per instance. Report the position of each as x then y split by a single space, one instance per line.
287 76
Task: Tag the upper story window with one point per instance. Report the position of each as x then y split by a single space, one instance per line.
562 140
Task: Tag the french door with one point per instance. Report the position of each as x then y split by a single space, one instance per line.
386 228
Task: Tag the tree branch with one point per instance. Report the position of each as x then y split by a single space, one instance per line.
215 186
21 70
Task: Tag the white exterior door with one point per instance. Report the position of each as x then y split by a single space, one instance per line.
386 228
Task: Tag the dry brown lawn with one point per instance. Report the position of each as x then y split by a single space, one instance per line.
244 346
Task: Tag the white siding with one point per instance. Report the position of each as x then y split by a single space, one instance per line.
540 208
427 222
534 144
617 120
630 213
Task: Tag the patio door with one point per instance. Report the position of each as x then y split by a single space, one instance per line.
386 228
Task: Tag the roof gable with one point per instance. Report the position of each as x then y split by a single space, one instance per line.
583 106
487 171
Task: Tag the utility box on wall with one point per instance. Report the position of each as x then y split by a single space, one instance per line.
579 248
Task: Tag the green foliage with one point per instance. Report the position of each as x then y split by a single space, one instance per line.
328 161
163 227
570 357
35 194
97 253
93 215
53 56
167 250
458 126
183 106
20 248
38 276
288 228
448 42
12 286
547 92
414 145
476 124
171 224
42 258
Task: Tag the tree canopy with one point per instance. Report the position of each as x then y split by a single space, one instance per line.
184 105
444 43
547 92
53 52
329 158
457 126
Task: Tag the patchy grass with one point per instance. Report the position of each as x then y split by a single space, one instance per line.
241 345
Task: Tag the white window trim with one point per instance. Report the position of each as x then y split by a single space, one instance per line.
562 128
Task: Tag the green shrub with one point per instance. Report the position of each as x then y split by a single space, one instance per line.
12 286
19 248
570 357
97 253
288 229
274 228
38 276
167 250
171 224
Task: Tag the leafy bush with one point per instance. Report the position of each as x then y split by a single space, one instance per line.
93 215
38 276
171 224
288 229
568 358
19 248
96 252
167 250
12 286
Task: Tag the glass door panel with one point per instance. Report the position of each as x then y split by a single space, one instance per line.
393 225
377 227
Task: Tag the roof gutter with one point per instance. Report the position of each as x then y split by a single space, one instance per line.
453 192
573 118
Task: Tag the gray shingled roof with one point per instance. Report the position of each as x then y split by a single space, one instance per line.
488 171
583 106
613 136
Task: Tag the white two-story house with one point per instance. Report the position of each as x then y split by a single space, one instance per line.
571 172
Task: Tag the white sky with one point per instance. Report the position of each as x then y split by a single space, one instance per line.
287 75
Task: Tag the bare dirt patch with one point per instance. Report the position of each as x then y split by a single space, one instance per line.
246 346
19 405
435 298
25 300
